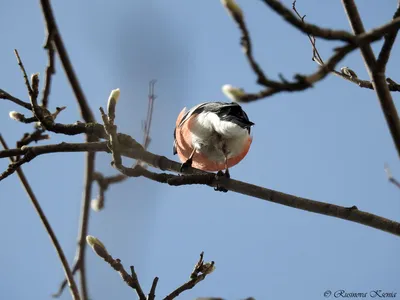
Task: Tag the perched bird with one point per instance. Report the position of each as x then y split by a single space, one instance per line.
212 136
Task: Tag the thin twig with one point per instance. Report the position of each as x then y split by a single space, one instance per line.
302 82
7 96
325 33
50 69
52 28
42 216
21 65
131 280
199 273
152 294
390 176
104 182
393 86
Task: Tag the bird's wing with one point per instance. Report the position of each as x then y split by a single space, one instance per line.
174 145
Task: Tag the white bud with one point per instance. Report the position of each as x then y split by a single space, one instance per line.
112 102
349 72
114 95
16 115
96 204
233 8
233 93
208 268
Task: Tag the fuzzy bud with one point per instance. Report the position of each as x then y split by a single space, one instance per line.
207 268
97 246
112 102
349 72
233 8
233 93
16 116
35 84
97 204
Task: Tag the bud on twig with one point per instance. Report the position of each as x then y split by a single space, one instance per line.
16 116
207 268
112 102
349 72
97 204
35 84
234 9
233 93
97 246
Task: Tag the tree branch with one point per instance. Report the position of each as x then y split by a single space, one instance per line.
325 33
200 272
130 148
376 74
7 96
46 224
131 280
52 29
88 117
301 82
390 38
393 86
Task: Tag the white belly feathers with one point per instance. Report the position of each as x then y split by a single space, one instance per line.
216 138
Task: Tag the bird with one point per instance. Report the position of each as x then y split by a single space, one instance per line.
212 136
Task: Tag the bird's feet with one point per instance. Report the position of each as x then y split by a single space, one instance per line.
186 165
219 175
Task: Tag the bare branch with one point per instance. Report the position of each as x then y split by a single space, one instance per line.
302 82
377 76
50 69
131 280
7 96
152 294
55 35
46 224
393 86
325 33
132 149
390 38
200 272
21 65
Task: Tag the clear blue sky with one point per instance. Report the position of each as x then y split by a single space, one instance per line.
329 143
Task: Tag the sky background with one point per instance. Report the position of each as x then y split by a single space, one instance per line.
328 143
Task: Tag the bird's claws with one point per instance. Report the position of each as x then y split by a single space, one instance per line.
186 165
219 175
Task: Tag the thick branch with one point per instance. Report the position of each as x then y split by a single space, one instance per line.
390 38
377 76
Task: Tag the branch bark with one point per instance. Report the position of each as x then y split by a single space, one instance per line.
131 148
67 271
376 73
